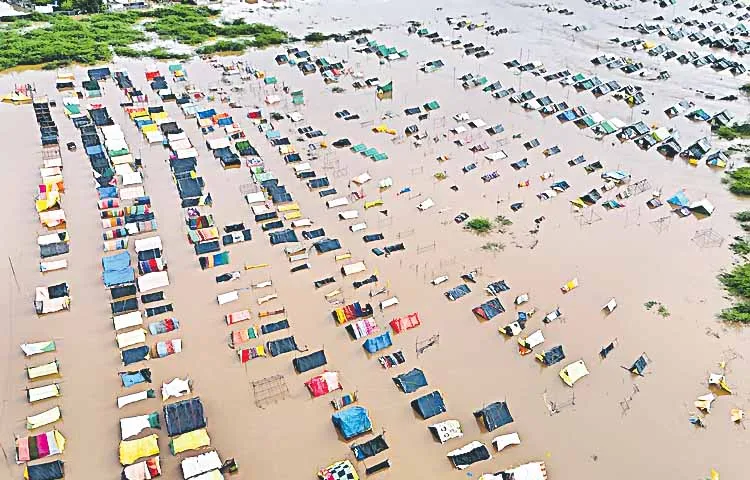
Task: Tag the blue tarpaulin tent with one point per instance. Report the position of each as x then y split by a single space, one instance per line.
352 422
429 405
410 381
117 269
679 199
495 415
489 310
375 344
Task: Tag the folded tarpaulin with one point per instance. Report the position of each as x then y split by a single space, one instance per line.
369 448
45 471
309 361
281 346
39 446
375 344
274 326
184 416
132 426
489 310
429 405
133 355
311 234
327 245
352 421
410 381
495 415
132 450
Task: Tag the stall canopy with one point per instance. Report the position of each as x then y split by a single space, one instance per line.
352 421
494 415
429 405
410 381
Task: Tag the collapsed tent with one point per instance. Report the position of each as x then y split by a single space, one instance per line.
467 455
352 421
495 415
429 405
410 381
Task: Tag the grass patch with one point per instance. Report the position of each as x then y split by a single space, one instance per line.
739 313
313 37
740 130
743 216
739 181
745 89
493 247
740 246
222 46
650 304
92 39
479 225
662 311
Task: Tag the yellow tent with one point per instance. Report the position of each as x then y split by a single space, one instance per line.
288 208
737 415
189 441
132 450
293 215
572 284
374 203
574 372
16 98
380 128
648 45
51 199
45 418
720 381
704 402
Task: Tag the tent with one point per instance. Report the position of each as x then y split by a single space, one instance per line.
45 471
200 464
429 405
132 426
446 430
323 384
503 441
369 448
45 418
573 372
495 415
132 450
352 421
551 356
343 470
457 292
528 471
410 381
144 470
380 342
489 310
639 366
184 416
309 361
189 441
679 199
281 346
39 446
702 207
467 455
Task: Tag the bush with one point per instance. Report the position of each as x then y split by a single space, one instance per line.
740 246
737 282
743 216
739 181
479 225
733 132
317 37
221 46
739 313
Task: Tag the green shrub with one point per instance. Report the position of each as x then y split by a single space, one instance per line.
479 225
733 132
743 216
739 313
739 181
740 246
737 282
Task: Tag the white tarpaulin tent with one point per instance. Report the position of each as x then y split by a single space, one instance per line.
349 215
132 398
149 243
151 281
506 440
175 389
447 430
426 204
200 464
131 193
228 297
45 418
337 202
42 393
127 320
352 268
132 426
499 155
529 471
257 197
128 339
362 178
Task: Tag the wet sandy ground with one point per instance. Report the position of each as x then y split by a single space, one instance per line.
623 255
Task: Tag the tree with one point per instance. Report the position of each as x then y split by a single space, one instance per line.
88 6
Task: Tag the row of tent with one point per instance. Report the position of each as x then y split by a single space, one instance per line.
185 419
49 299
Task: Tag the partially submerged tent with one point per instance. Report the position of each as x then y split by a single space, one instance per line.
369 448
343 470
494 415
429 405
380 342
309 361
573 372
467 455
447 430
184 416
528 471
410 381
352 421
